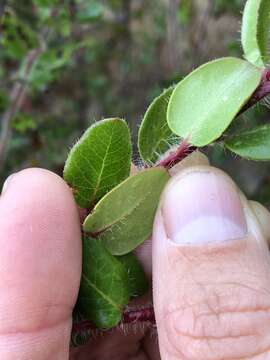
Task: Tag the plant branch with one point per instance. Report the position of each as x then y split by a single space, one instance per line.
262 91
17 96
175 156
184 149
18 92
130 316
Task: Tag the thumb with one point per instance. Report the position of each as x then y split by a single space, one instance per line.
40 265
211 271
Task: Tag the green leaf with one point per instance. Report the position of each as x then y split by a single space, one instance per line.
264 30
104 289
45 3
123 219
48 65
252 144
17 37
255 31
89 11
155 136
204 104
23 122
138 283
99 161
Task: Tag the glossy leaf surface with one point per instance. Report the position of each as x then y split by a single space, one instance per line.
204 104
155 136
253 144
123 218
99 161
104 289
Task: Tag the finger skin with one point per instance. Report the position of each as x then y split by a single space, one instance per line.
212 301
263 217
144 251
40 266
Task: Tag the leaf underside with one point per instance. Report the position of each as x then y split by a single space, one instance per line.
99 161
104 289
123 219
155 137
219 90
252 144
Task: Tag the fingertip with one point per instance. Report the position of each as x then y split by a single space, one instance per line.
36 178
40 250
210 257
263 216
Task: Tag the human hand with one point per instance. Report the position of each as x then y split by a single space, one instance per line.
210 273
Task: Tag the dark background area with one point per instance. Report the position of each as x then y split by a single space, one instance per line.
78 61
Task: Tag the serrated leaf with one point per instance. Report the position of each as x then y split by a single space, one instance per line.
204 104
123 219
155 137
99 161
252 144
255 31
104 289
138 283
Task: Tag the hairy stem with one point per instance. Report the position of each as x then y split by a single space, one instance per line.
262 91
184 149
175 156
130 316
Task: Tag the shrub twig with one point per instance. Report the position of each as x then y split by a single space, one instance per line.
18 91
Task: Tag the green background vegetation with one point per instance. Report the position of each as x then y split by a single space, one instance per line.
96 59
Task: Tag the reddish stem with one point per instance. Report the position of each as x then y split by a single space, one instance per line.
176 156
262 90
185 148
146 314
130 316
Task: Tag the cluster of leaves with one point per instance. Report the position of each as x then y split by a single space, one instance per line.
121 207
98 169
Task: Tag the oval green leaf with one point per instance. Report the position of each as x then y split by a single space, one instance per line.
155 137
99 161
252 144
104 289
138 283
204 104
124 217
255 31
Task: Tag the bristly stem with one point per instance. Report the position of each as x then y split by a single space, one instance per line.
130 316
184 149
176 156
262 91
145 315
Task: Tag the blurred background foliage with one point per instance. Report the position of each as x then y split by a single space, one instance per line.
77 61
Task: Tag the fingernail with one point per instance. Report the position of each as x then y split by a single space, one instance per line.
203 207
6 183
